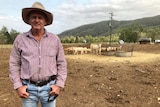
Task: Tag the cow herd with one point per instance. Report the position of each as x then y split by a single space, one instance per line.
92 49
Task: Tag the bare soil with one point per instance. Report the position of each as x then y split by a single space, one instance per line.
101 81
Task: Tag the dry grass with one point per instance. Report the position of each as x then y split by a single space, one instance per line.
100 81
137 57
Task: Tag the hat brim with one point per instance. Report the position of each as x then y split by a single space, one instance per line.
26 11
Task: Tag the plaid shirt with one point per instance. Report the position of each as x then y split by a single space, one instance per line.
30 59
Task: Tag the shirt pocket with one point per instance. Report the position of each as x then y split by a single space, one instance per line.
51 52
50 56
29 51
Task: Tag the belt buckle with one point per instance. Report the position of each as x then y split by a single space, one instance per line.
39 83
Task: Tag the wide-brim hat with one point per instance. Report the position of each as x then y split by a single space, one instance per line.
37 6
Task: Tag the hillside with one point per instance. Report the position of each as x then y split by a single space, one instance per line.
102 28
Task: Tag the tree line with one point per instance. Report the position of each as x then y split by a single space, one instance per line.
7 37
130 34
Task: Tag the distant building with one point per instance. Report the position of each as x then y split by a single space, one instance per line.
121 41
84 41
157 41
145 40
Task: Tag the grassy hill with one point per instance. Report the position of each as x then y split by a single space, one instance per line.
102 28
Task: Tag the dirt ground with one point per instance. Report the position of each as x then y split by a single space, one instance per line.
101 81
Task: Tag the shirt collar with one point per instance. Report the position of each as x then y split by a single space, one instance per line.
29 34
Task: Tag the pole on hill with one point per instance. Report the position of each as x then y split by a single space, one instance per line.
110 26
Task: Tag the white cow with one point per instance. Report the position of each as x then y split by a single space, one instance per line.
79 50
96 48
116 48
76 50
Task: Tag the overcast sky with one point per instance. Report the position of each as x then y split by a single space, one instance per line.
69 14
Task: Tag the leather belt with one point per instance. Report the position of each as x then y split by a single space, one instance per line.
43 82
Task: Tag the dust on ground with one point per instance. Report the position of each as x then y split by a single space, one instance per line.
102 81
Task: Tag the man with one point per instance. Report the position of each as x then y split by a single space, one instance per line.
38 67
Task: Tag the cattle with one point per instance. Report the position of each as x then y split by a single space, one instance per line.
79 50
116 48
96 48
68 50
76 50
119 48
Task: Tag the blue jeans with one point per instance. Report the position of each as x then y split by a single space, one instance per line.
36 94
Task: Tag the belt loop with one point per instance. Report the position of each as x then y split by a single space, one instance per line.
29 81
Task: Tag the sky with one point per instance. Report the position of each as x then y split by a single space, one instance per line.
69 14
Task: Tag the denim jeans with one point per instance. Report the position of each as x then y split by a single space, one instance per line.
38 94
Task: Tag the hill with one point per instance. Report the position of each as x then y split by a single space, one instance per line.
102 28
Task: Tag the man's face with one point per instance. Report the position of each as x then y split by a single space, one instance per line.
37 20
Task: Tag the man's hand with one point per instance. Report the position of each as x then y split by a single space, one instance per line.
22 93
55 90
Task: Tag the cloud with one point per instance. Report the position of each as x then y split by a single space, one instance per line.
69 14
131 9
12 22
72 16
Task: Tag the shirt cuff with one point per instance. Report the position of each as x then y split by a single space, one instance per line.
60 84
17 85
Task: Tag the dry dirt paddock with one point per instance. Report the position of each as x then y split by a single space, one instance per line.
102 81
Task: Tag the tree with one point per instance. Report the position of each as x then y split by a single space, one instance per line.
131 33
89 38
3 33
77 39
13 34
7 37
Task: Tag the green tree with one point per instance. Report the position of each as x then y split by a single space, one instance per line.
7 37
13 34
72 39
3 33
89 38
131 33
77 39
